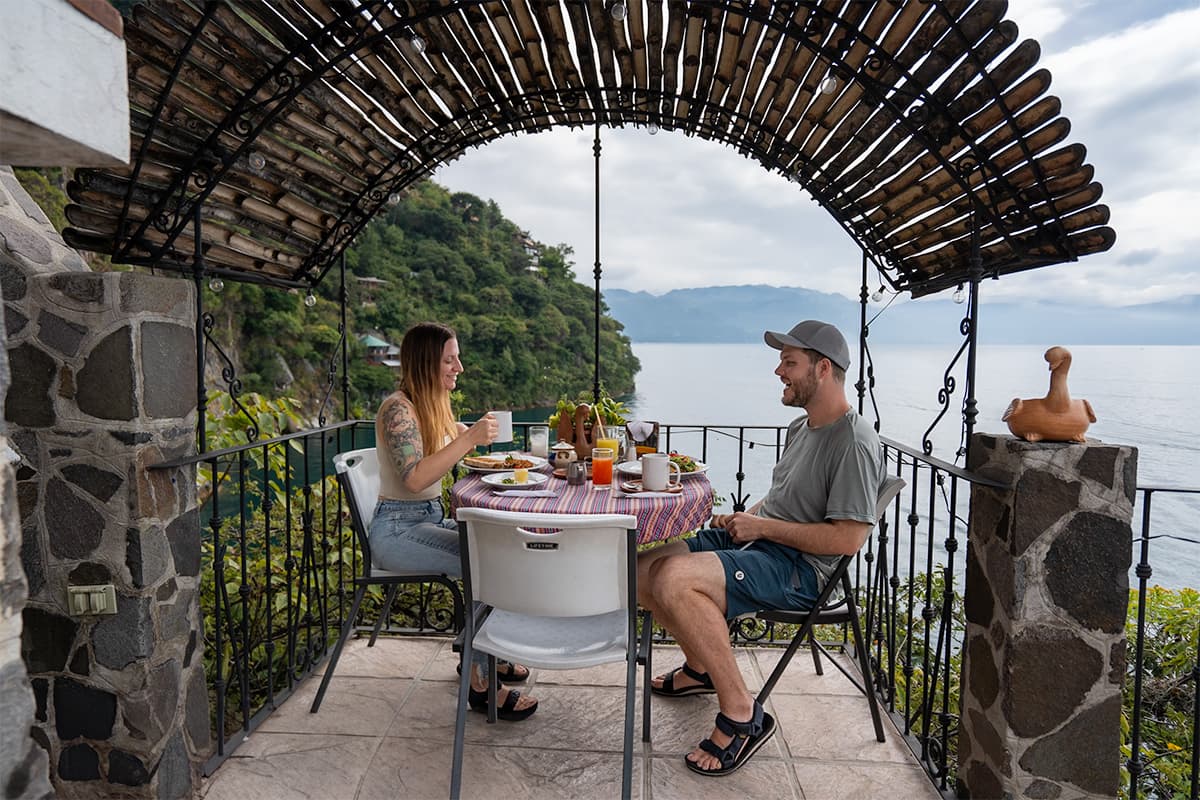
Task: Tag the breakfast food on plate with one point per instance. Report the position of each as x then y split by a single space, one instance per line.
495 462
686 463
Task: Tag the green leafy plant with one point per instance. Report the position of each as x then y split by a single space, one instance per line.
1169 655
612 411
229 426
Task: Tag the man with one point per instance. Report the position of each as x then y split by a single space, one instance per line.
778 554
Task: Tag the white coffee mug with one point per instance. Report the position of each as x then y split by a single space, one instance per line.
504 423
657 472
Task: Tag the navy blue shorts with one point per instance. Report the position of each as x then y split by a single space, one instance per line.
764 575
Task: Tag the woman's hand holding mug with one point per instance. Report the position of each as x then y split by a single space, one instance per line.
483 431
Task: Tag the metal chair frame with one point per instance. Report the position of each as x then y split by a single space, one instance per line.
354 467
828 610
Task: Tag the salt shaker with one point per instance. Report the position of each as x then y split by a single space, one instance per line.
628 450
576 473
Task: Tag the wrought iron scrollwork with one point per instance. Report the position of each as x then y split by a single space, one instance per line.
233 384
331 373
949 384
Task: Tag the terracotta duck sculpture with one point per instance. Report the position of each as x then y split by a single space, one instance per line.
1055 417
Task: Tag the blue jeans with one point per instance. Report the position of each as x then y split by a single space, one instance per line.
414 534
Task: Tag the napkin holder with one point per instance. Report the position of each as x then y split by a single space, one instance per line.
644 435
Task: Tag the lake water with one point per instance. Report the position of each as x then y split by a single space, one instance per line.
1142 396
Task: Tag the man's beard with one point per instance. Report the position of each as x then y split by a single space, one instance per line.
801 392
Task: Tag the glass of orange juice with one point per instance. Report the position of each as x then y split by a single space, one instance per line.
611 442
602 466
521 474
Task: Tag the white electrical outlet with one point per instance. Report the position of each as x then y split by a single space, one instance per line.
88 600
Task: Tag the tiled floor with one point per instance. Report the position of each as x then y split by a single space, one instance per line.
386 731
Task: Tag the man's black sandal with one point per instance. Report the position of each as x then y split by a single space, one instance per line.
747 738
506 672
478 701
668 688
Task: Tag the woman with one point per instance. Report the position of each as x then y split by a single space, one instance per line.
418 442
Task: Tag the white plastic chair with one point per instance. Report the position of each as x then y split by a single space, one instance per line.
561 599
358 474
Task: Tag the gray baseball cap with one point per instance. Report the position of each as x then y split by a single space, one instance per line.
812 334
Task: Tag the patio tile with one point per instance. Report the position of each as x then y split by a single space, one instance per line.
678 724
764 777
270 766
824 750
835 728
412 768
566 717
389 658
854 781
354 706
668 657
604 675
801 678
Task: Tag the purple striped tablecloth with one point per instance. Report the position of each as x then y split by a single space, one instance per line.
658 517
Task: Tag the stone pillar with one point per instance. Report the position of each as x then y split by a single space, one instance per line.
103 384
23 765
1047 592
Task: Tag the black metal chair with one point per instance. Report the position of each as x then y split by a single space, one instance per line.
358 474
831 610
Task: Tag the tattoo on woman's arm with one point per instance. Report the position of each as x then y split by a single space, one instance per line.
403 439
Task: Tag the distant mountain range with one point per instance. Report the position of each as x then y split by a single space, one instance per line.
742 313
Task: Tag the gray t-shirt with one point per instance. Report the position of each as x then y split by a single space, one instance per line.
831 472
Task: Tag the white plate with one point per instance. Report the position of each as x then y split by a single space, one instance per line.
635 468
499 479
537 462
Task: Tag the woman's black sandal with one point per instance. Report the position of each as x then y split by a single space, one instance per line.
478 700
668 688
506 672
747 738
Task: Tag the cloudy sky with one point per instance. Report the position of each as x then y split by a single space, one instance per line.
679 212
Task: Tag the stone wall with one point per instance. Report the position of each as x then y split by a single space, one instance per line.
23 765
1047 592
103 385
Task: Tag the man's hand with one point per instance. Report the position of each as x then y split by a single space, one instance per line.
744 527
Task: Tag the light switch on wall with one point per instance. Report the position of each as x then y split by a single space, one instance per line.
85 600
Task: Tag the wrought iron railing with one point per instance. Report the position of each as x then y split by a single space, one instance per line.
278 559
281 556
909 580
1158 766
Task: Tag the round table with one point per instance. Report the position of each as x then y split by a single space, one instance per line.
659 517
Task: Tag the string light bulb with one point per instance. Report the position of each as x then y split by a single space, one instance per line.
256 160
310 299
652 128
417 43
960 296
215 285
877 295
829 85
617 10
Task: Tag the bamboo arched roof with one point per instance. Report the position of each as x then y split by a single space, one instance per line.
289 124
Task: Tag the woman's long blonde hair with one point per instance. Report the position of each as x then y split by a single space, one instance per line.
421 380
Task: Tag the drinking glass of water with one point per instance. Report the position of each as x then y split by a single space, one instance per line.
539 440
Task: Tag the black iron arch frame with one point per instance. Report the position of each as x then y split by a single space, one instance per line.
919 112
920 105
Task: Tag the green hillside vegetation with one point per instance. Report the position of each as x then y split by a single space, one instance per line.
524 323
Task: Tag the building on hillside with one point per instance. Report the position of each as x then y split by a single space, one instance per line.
369 289
532 249
381 353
